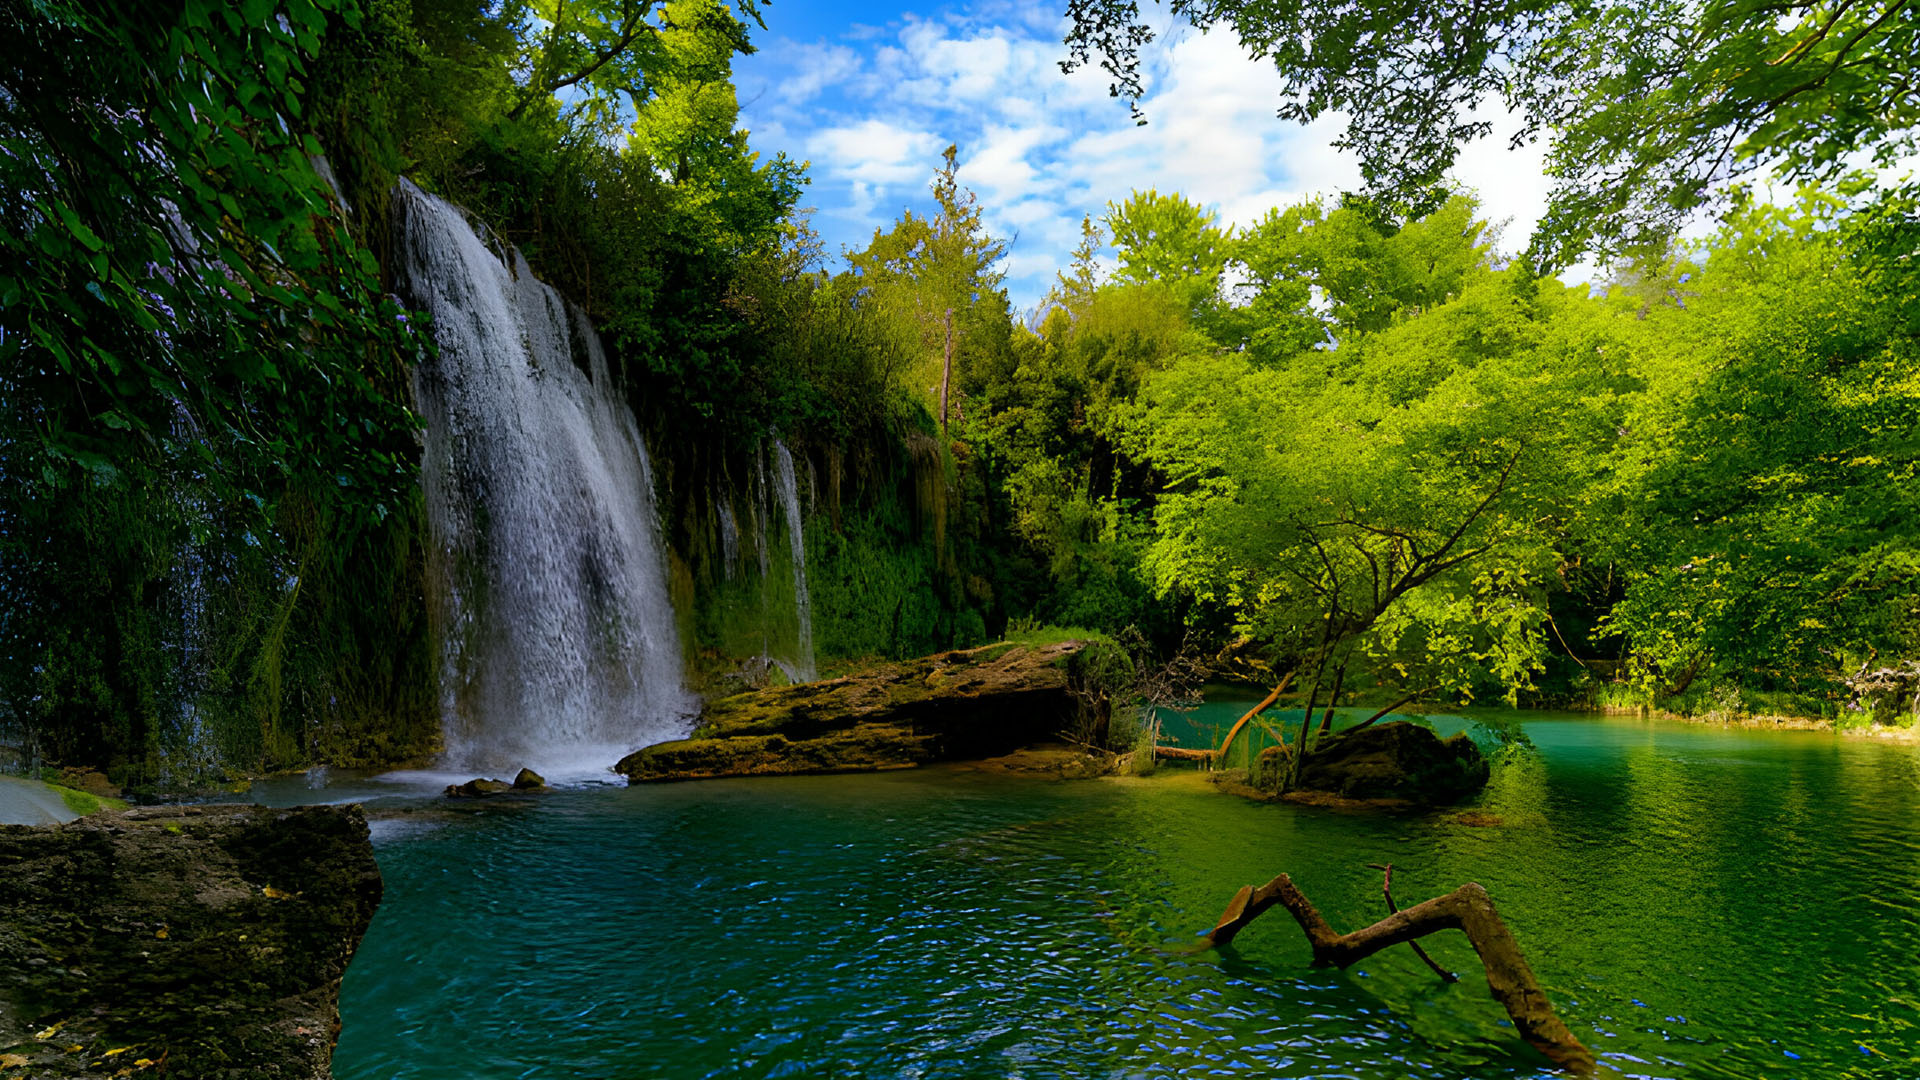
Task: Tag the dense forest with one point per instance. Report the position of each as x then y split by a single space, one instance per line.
1357 440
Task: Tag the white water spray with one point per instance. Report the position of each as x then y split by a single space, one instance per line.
560 651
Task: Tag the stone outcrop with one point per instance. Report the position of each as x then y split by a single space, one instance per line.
954 706
525 782
190 942
1395 761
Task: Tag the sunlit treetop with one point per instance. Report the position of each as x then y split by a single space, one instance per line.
1650 106
610 56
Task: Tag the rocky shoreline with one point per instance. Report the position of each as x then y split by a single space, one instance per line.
184 941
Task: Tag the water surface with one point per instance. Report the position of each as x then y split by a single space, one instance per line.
1698 902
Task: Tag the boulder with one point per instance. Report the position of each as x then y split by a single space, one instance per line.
1395 760
194 941
478 788
954 706
528 780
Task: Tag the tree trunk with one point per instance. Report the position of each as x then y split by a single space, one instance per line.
1468 909
1333 699
1306 726
946 373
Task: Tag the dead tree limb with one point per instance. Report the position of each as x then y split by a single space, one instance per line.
1371 720
1468 909
1386 890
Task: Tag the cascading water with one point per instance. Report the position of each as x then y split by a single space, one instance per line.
560 647
189 755
803 668
761 514
729 537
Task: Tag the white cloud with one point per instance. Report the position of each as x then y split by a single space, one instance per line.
873 110
818 68
872 152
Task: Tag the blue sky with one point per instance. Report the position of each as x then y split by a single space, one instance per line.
871 93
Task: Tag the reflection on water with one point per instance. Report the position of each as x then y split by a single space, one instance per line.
1700 903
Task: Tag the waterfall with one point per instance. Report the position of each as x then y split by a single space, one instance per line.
729 537
189 756
560 651
760 515
797 543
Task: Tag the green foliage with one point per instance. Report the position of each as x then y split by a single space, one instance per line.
195 355
937 281
1168 240
1770 488
84 803
174 281
1649 106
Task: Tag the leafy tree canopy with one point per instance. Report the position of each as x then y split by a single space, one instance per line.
1649 107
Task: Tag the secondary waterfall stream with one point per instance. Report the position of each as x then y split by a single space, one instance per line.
803 665
560 650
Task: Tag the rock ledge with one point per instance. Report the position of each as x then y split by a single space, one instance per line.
954 706
189 941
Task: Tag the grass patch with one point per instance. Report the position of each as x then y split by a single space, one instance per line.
1034 637
82 803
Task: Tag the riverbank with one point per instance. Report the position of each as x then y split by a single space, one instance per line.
35 802
1771 722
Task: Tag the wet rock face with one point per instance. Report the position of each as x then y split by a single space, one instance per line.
954 706
203 941
1396 760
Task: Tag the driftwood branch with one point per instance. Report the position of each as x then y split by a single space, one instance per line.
1375 718
1265 704
1386 890
1468 909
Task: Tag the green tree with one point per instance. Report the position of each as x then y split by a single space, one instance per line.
1389 515
939 279
610 56
1772 533
1367 272
1167 239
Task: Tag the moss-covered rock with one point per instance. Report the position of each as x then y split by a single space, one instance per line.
1395 760
961 705
206 939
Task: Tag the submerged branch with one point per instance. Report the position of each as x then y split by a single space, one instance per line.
1468 909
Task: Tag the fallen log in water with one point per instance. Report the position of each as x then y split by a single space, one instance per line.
1468 909
1181 753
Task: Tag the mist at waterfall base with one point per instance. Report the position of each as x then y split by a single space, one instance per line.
559 646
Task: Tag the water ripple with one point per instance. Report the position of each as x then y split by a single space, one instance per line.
1698 903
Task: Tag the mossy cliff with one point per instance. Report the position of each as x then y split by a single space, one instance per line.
891 571
951 706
